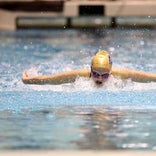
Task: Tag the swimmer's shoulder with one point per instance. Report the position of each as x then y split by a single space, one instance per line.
81 72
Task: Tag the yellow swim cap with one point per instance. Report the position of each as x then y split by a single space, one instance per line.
102 60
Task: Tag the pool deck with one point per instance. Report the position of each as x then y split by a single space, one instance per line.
12 10
77 153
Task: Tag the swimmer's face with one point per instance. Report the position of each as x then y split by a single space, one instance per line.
99 75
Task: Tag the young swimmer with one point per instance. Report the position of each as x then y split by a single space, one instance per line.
101 69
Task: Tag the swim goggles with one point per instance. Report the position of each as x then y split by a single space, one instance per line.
97 75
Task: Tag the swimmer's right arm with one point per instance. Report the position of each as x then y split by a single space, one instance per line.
60 78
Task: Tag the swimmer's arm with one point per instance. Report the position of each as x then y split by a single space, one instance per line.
134 75
60 78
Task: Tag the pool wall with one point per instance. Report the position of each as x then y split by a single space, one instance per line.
16 14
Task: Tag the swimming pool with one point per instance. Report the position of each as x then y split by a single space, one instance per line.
120 115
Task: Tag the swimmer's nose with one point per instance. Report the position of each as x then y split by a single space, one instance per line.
100 78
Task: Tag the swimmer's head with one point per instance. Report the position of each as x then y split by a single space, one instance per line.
101 66
102 60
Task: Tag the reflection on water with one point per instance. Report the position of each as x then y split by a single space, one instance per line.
98 124
77 128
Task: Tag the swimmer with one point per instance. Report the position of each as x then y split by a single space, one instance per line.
101 69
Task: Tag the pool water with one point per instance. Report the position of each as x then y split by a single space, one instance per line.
76 116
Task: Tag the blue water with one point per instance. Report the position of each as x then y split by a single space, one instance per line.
120 115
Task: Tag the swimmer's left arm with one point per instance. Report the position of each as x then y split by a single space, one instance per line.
134 75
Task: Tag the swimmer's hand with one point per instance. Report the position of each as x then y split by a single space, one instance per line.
25 75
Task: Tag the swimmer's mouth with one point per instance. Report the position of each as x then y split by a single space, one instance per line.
98 82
